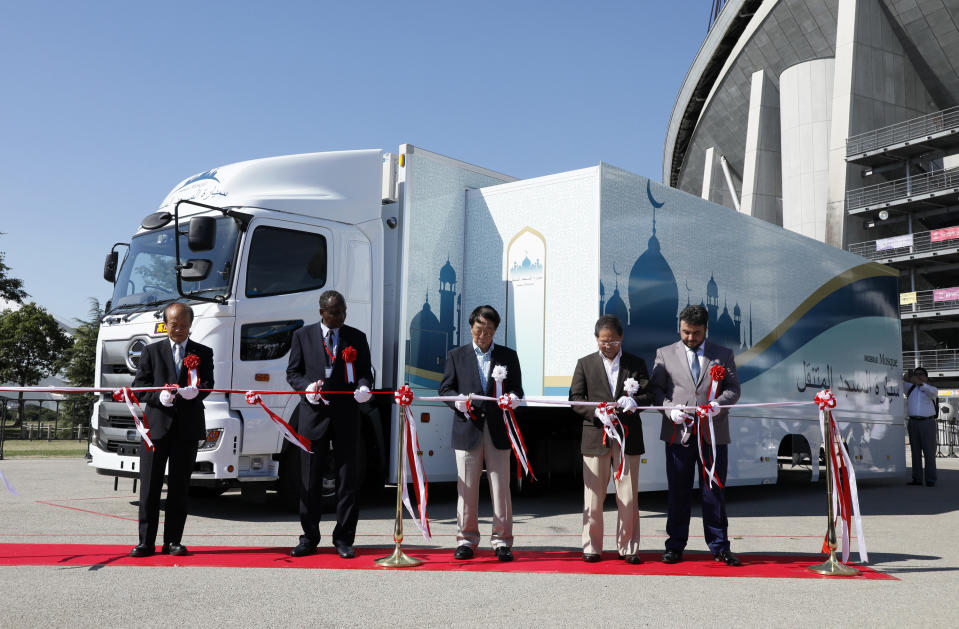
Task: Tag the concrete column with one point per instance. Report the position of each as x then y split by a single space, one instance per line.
762 169
708 164
805 96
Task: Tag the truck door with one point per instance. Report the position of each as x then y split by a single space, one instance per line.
283 270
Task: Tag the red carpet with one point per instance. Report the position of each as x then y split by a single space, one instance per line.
527 561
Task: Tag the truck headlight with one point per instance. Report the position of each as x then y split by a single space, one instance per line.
212 439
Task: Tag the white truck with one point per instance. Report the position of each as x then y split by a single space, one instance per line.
415 240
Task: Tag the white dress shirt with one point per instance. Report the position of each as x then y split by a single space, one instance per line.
920 401
612 370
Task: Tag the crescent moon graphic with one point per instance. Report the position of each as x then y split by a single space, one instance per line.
649 193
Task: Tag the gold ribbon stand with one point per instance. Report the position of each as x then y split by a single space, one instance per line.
399 559
832 566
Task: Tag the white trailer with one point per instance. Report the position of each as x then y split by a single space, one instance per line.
416 240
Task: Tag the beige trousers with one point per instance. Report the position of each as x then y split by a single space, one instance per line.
469 468
596 473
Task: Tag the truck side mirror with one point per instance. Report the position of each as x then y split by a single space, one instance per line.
195 270
110 267
202 233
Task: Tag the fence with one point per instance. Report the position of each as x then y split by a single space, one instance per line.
921 127
948 438
901 189
44 419
908 244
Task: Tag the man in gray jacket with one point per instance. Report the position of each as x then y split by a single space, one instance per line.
681 378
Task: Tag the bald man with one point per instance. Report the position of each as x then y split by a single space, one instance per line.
177 425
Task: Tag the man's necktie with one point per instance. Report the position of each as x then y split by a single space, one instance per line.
177 358
694 367
329 343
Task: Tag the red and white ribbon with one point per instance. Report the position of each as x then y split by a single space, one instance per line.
349 357
301 442
133 404
505 401
191 362
845 494
717 374
404 397
610 429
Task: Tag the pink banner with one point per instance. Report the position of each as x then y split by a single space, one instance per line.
946 233
945 294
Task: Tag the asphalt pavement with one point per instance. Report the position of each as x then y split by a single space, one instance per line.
911 534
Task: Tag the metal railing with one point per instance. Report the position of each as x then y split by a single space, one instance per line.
899 189
926 301
947 441
921 242
932 359
914 129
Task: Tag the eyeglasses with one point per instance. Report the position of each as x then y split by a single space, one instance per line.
609 343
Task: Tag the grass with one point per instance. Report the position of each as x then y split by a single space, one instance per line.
40 448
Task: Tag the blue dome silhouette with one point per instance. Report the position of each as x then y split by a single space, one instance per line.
653 303
447 273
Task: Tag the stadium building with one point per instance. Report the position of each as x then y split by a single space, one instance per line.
838 119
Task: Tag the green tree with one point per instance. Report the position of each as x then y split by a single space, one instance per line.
81 360
10 287
32 347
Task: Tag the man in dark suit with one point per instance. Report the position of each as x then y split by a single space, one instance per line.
176 422
482 437
329 356
681 378
600 377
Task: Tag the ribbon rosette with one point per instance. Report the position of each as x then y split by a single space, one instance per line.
404 397
717 373
630 386
349 357
191 362
825 399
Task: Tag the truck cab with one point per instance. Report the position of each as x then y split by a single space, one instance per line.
279 232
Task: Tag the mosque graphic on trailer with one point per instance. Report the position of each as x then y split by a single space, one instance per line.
431 337
651 320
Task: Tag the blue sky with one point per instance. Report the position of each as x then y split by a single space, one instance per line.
107 105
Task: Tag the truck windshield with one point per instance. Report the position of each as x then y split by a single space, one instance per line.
148 275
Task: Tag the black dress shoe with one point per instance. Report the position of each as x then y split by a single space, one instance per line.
591 557
303 549
727 558
914 482
632 559
142 550
672 556
463 552
177 550
503 553
345 551
930 483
